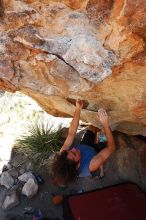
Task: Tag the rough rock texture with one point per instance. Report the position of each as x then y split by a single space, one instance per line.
6 180
128 163
30 188
11 201
58 51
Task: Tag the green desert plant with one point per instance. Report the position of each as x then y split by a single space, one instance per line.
41 138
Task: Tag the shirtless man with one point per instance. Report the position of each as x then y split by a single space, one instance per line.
83 159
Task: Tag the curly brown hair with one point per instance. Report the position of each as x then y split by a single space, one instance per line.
62 169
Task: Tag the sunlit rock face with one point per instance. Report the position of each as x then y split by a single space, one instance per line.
94 50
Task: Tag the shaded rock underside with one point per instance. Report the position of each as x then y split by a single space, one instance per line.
58 51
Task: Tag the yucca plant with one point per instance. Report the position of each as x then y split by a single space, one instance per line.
42 139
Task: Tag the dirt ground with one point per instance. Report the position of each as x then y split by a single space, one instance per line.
43 199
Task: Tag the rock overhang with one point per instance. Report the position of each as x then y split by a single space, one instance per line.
60 51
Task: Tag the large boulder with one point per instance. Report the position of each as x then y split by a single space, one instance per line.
58 51
128 163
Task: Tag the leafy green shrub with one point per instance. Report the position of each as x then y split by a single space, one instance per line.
42 139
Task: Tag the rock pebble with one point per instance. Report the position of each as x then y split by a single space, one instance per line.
10 201
6 180
26 176
30 188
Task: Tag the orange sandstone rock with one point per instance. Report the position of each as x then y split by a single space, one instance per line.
57 51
